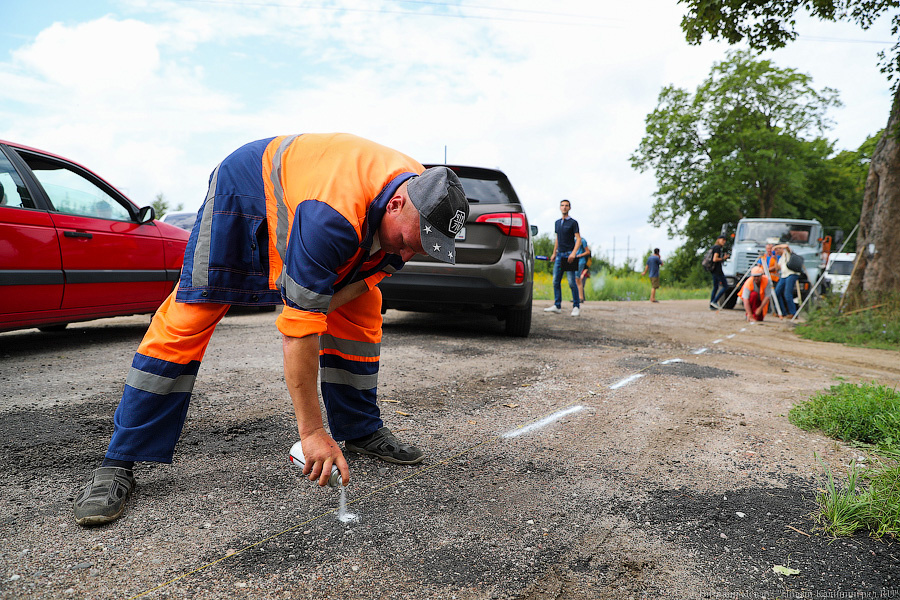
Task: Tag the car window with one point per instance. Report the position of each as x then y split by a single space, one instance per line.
185 221
841 267
12 190
488 191
74 194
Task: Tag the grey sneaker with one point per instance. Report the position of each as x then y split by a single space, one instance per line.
386 446
103 499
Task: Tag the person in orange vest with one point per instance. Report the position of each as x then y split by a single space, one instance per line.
312 222
771 270
754 294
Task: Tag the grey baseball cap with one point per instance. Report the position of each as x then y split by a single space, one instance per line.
439 197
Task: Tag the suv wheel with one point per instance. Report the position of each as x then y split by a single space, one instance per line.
518 320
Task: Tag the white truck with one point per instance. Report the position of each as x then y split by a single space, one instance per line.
748 243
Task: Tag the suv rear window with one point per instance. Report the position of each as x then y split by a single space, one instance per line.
485 186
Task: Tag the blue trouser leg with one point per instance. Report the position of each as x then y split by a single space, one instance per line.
720 284
349 354
557 280
576 297
785 292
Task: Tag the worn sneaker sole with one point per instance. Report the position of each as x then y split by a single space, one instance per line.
100 519
390 459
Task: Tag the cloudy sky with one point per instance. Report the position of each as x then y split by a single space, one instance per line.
152 94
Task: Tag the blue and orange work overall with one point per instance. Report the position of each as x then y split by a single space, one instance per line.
289 220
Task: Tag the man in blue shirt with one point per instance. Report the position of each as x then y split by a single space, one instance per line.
564 257
652 270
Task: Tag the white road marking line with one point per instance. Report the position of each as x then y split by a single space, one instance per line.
719 341
670 361
543 422
625 381
700 351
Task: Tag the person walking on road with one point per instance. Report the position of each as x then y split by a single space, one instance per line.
564 258
654 262
720 284
313 222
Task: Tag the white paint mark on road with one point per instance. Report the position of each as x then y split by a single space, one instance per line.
625 381
700 350
543 422
670 361
717 341
730 335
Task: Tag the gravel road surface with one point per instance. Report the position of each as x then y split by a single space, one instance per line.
638 451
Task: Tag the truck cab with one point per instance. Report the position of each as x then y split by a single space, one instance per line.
749 243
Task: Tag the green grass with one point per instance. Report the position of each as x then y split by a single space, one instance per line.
865 415
608 286
876 326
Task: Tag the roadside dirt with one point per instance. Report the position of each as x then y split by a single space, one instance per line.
674 472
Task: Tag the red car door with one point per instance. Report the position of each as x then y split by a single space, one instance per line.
31 277
107 258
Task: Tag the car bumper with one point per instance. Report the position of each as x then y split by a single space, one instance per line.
428 292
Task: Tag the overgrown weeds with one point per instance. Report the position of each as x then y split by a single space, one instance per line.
868 416
873 323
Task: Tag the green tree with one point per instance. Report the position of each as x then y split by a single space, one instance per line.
161 206
770 24
543 246
743 144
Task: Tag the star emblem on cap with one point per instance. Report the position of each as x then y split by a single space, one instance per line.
450 254
436 248
427 229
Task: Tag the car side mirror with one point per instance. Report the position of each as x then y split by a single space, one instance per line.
145 215
534 230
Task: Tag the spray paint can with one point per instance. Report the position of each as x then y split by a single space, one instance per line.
298 460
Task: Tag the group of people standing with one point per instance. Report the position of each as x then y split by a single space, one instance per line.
770 282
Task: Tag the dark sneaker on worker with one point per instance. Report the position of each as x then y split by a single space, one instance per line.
386 446
103 499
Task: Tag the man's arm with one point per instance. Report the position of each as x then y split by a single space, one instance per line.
555 248
347 293
301 368
574 252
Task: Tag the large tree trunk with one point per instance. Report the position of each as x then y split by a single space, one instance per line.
879 223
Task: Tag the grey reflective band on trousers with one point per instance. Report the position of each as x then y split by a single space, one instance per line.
350 347
342 377
200 267
157 384
303 297
281 212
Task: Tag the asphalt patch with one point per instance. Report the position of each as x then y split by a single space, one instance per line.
676 369
742 549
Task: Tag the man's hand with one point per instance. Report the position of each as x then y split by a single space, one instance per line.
321 452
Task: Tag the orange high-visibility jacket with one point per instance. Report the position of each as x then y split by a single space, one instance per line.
292 219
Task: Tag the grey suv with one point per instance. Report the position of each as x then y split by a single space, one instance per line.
494 270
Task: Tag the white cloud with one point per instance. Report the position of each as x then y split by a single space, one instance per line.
155 94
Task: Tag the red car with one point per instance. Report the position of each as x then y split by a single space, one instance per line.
73 248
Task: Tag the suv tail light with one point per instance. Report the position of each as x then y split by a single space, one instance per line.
520 272
512 224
